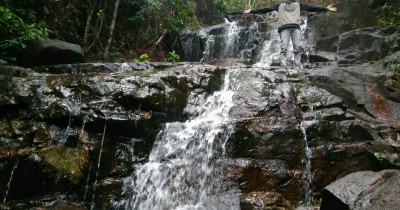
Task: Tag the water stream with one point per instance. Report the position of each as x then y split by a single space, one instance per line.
182 172
98 167
9 181
308 175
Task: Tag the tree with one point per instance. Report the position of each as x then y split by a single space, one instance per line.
112 26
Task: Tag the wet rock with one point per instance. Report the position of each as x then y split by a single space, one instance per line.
63 162
264 201
107 191
346 19
370 91
361 46
363 190
43 202
13 70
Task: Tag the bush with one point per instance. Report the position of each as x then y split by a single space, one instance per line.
16 34
173 57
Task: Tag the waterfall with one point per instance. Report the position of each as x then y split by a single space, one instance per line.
224 45
209 49
271 49
182 172
231 37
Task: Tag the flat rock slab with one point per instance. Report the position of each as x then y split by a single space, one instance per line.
364 190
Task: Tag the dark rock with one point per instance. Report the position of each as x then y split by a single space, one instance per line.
264 200
12 70
369 90
361 46
363 190
351 15
51 52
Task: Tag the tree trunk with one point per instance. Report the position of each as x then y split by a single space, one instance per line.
88 24
112 26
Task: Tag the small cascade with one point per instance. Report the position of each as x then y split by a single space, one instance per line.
224 45
209 49
308 175
271 49
98 167
68 130
9 181
231 39
182 171
89 149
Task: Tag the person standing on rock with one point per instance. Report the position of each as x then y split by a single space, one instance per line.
289 25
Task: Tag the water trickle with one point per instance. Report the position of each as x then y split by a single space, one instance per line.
98 167
307 176
182 171
9 181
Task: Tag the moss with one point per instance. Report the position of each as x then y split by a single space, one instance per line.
67 162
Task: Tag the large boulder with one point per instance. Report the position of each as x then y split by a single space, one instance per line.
364 190
52 51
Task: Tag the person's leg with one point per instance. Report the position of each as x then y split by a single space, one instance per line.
285 38
295 35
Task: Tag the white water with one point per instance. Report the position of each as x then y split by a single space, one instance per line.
182 172
209 49
9 181
308 175
231 37
271 49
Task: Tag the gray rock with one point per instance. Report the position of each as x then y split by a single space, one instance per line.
364 190
361 46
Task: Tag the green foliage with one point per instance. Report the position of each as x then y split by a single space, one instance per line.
101 14
389 15
142 58
173 57
355 24
171 15
378 156
16 34
394 66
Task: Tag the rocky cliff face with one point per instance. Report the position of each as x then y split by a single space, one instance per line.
71 134
55 126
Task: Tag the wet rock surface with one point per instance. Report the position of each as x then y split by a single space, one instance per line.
79 134
363 190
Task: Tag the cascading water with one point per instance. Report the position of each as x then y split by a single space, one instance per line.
231 37
208 52
271 49
307 176
182 172
225 46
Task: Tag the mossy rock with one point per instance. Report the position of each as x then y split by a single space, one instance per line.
66 162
